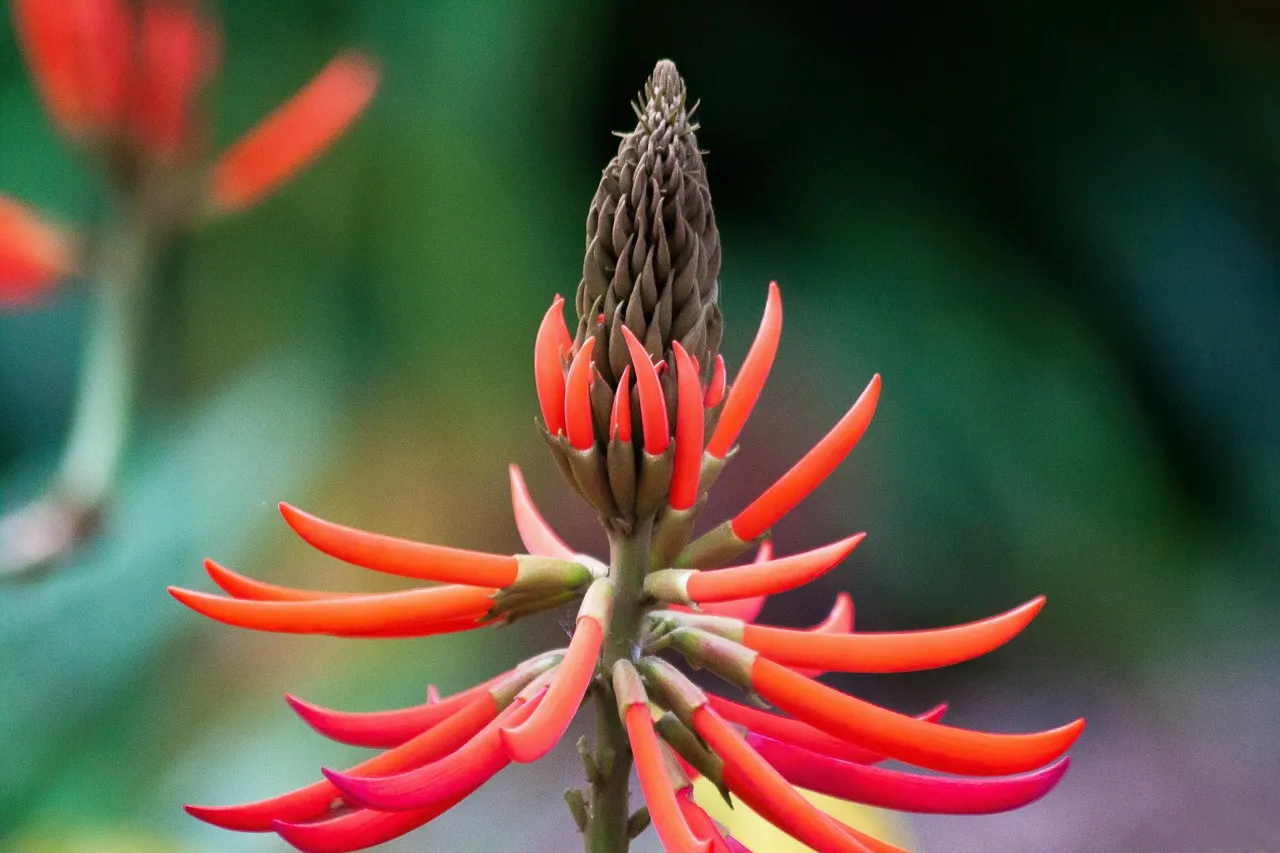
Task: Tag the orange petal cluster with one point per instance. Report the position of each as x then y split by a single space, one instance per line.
438 752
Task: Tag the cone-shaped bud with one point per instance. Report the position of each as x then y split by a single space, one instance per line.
653 250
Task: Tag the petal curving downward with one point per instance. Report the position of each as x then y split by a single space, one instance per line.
668 818
760 786
535 737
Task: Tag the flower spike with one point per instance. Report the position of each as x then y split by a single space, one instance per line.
535 533
687 586
653 411
750 379
804 477
295 134
688 457
648 332
577 399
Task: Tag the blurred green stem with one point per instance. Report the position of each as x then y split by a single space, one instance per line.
38 534
104 403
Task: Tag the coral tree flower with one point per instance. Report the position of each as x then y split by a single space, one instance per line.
124 80
641 416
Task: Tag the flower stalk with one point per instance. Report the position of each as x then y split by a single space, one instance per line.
640 416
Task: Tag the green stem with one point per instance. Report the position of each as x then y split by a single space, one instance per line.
104 403
611 790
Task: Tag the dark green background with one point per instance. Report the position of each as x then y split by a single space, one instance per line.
1051 227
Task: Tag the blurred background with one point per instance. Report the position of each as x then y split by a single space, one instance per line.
1054 229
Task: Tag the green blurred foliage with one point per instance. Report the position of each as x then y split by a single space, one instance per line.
1051 227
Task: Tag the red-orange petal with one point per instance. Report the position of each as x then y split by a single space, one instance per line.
668 819
295 134
33 254
549 352
536 736
750 380
104 38
715 390
384 729
239 586
579 426
890 651
687 465
817 464
401 556
770 577
929 745
653 408
620 415
314 801
443 780
177 53
535 533
416 612
48 39
760 786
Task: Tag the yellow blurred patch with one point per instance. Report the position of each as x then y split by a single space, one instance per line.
91 840
758 834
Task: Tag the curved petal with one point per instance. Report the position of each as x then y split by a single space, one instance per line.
416 612
897 651
770 577
459 772
760 786
534 738
295 134
906 792
535 533
314 801
750 380
816 465
668 818
930 745
401 557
